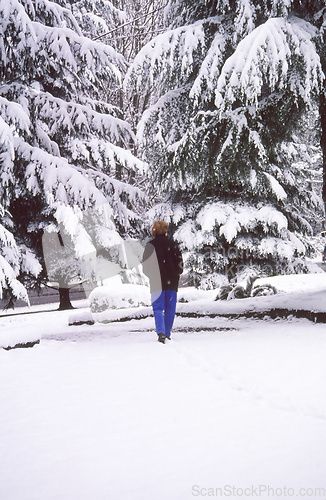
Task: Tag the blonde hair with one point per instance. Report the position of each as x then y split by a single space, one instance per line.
159 227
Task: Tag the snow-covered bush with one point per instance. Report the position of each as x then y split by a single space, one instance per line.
244 290
117 296
263 290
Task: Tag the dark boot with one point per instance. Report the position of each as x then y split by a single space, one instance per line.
161 337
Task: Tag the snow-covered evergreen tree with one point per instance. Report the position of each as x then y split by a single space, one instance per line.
226 89
63 144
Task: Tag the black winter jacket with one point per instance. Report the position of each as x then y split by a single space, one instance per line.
162 263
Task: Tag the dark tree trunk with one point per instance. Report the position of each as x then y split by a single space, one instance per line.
64 299
323 139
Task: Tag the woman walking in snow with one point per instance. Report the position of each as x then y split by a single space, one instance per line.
162 263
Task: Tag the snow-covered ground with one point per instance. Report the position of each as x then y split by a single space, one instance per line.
230 408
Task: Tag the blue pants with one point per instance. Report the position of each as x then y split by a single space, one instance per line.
164 311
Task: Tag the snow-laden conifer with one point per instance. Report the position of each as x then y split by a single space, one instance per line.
227 86
63 139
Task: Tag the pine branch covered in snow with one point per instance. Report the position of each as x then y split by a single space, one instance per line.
97 17
279 55
14 260
223 238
